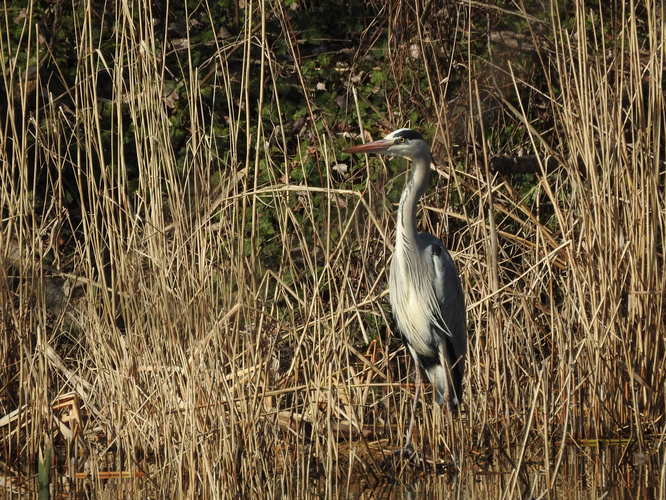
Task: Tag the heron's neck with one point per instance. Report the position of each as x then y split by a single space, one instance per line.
416 185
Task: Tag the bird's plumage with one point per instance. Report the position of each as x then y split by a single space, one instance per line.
429 308
427 300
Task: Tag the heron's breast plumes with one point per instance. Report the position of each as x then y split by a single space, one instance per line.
413 300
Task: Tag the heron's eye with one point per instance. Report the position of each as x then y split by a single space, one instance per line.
400 140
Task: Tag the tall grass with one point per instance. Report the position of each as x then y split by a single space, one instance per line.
150 334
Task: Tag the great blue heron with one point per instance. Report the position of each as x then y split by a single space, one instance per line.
424 286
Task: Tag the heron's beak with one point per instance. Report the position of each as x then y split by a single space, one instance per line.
371 147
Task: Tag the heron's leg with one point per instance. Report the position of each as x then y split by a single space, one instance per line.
407 450
408 438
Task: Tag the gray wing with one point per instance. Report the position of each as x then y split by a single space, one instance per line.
452 330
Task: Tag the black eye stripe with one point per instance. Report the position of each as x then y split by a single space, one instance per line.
409 134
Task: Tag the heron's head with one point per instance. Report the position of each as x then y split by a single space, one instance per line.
403 142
